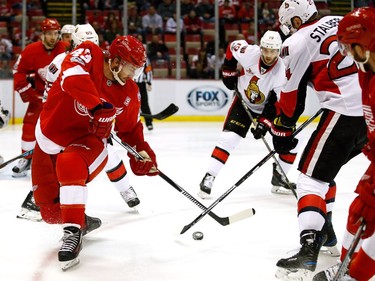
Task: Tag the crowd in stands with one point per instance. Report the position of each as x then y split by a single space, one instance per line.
155 23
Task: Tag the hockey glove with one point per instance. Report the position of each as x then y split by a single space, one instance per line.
30 95
283 140
369 151
261 128
363 206
102 117
230 76
148 165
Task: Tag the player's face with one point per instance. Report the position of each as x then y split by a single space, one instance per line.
269 55
50 38
129 71
66 37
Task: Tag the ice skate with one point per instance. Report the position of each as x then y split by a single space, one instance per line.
301 265
130 197
279 183
20 170
206 185
330 273
150 127
72 245
91 224
330 245
29 210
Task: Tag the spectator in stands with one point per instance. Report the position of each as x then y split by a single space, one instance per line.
157 51
166 9
205 10
111 17
198 67
212 63
227 12
194 24
103 44
186 7
266 15
171 24
111 33
6 47
6 12
152 22
246 12
134 21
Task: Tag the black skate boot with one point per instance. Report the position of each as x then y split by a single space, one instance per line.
280 186
304 262
329 246
29 211
91 224
206 185
20 170
72 244
130 197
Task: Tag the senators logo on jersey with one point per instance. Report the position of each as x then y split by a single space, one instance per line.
253 92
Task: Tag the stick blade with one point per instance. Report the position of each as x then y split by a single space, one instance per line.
242 215
186 228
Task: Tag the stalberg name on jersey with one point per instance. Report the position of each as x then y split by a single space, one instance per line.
321 30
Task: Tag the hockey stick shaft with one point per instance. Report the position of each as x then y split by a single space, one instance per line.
244 105
248 174
25 154
168 111
344 265
222 220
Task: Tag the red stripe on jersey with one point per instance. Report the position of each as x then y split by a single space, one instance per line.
287 103
117 173
288 158
312 202
228 53
331 194
220 154
317 139
321 78
357 269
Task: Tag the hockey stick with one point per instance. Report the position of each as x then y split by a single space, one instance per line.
248 174
25 154
168 111
222 220
344 265
244 105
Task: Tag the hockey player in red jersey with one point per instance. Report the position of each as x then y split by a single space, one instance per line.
259 83
92 91
312 57
356 37
34 60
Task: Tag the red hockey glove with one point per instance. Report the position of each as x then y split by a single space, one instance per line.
102 119
30 95
369 151
148 165
283 140
363 207
261 128
230 76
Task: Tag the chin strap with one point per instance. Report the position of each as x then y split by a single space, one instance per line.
115 73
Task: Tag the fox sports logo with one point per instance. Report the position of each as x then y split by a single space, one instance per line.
208 98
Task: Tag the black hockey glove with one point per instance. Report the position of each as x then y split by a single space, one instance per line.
261 128
230 76
283 140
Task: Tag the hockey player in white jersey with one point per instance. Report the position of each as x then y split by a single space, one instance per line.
312 57
260 81
4 120
115 167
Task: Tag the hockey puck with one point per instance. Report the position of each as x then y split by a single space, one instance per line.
198 235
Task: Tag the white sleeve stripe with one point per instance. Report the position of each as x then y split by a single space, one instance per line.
76 70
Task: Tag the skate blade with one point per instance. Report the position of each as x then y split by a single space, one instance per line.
65 265
281 190
19 175
29 215
203 194
293 275
330 251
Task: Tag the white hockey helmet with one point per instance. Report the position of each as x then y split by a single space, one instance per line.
271 40
289 9
67 29
84 32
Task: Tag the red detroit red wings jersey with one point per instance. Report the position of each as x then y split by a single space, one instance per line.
35 59
367 81
312 56
80 87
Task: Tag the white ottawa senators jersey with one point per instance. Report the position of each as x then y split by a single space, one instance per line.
256 83
312 55
53 72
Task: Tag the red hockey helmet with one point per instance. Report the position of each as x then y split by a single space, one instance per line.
357 27
50 24
129 49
